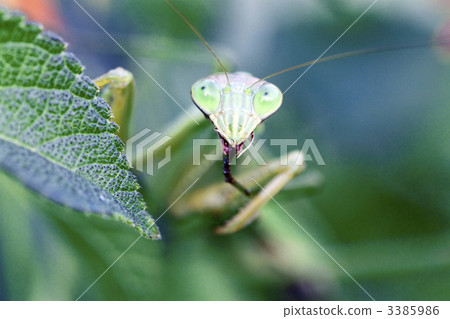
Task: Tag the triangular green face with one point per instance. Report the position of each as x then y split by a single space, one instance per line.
206 95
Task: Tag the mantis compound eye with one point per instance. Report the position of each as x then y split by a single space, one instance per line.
206 95
267 100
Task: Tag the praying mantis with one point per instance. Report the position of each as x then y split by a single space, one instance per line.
216 97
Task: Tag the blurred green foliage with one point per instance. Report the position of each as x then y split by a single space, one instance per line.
380 122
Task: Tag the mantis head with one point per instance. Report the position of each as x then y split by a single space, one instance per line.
235 105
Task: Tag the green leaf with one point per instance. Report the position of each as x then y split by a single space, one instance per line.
56 136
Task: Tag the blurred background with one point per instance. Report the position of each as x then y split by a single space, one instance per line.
381 123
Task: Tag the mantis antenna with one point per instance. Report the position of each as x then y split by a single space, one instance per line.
199 36
442 40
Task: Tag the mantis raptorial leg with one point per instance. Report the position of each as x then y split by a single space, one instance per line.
229 177
250 211
264 182
117 88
